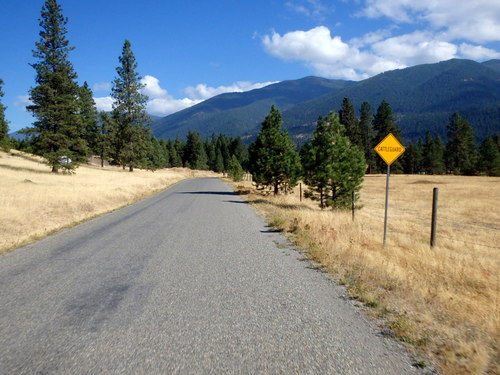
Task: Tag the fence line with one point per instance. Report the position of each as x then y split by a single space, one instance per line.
471 243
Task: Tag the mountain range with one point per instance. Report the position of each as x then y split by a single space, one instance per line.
422 97
240 113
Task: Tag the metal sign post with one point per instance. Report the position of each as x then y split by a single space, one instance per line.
388 149
386 202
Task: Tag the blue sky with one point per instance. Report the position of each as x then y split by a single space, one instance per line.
190 50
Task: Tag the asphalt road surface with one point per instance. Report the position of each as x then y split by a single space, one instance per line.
190 281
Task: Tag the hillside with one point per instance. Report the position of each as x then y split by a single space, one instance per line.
493 64
239 114
422 97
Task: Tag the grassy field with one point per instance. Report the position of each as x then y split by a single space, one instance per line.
35 202
442 302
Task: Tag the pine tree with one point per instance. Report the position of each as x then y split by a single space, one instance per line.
333 166
219 162
273 160
235 171
175 159
179 147
4 125
131 133
222 145
367 135
461 152
58 131
412 159
240 150
347 117
102 141
383 124
89 116
195 154
489 156
164 148
433 155
156 155
210 151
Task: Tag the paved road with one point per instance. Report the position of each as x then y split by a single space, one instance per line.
190 281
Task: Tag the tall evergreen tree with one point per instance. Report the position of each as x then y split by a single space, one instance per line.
195 154
175 158
131 133
4 125
412 159
461 151
383 124
333 166
156 155
433 155
489 156
222 145
58 131
347 117
273 160
164 147
89 117
367 135
240 150
219 162
235 171
210 151
102 141
179 146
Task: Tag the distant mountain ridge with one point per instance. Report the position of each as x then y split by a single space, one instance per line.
238 114
422 97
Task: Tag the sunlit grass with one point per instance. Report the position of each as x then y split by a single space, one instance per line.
35 202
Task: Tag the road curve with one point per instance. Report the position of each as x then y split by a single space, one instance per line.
190 281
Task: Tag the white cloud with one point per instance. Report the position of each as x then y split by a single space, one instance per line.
161 103
104 103
371 38
203 92
476 21
415 48
315 45
327 55
101 86
168 105
478 52
152 88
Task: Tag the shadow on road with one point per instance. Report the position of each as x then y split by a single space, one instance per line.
241 202
232 193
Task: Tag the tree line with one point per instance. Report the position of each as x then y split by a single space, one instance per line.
341 151
461 154
330 164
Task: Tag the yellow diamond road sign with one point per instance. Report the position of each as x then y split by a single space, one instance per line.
389 149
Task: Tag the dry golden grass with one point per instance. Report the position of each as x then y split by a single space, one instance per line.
443 302
35 202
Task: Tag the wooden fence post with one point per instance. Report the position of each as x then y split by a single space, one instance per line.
435 193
